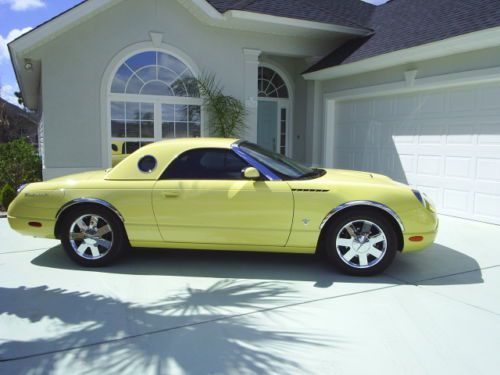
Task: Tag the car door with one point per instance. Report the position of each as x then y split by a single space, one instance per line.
203 198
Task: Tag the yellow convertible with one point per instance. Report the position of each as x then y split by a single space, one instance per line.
226 194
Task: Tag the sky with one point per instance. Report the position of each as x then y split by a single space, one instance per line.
18 17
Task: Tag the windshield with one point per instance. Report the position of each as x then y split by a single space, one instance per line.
281 165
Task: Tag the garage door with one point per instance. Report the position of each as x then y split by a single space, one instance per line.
445 142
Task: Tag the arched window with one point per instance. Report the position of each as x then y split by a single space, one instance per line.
271 85
153 96
154 73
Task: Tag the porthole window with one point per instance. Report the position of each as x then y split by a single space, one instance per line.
147 164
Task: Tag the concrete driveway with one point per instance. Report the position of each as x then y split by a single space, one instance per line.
161 312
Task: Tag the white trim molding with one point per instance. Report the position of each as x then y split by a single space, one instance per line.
450 46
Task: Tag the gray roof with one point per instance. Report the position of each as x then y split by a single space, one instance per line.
402 24
351 13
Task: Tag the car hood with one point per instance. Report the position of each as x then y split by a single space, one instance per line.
335 176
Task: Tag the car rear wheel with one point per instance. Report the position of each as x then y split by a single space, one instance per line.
361 242
92 236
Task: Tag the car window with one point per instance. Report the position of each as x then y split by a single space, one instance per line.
206 164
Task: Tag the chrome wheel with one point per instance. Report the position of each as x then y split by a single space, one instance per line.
91 236
361 244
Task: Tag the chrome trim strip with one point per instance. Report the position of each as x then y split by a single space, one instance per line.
89 200
362 203
254 163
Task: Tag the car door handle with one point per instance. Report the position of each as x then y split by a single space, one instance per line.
170 194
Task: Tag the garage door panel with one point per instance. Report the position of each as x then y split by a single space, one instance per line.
445 142
489 134
456 201
458 167
487 206
488 169
429 165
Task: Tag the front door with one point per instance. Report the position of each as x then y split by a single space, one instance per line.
267 124
202 198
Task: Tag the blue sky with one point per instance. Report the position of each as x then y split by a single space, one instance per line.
18 17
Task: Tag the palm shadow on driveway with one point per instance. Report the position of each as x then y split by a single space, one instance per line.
110 335
429 267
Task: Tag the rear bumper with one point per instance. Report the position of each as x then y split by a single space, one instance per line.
22 226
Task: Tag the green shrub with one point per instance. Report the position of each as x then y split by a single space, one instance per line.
19 164
7 195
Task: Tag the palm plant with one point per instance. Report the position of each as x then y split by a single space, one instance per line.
226 114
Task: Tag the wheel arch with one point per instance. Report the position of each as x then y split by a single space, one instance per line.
370 205
68 206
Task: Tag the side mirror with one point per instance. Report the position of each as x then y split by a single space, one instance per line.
251 173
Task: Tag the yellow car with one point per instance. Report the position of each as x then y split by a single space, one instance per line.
227 194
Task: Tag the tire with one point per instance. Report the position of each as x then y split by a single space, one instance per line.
92 236
361 242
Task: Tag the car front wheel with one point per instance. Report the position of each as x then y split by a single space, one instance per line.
361 242
92 236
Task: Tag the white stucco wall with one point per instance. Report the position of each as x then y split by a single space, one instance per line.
73 65
464 62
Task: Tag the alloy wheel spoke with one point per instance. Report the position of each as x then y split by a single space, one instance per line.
103 230
95 251
376 239
104 243
82 248
375 252
363 260
77 236
349 255
81 224
347 242
351 230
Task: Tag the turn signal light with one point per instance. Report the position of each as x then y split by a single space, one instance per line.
416 238
35 224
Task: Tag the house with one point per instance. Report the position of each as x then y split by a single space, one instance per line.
410 89
17 123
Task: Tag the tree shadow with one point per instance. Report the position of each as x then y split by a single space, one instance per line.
430 266
113 336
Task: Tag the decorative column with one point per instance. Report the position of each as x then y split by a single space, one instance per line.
250 93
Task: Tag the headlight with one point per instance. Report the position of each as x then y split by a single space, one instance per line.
419 196
21 188
425 200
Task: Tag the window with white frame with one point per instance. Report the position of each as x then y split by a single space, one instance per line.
153 96
271 85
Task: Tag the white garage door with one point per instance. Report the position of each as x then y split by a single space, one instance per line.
445 142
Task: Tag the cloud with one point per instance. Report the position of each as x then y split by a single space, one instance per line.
21 5
7 93
13 34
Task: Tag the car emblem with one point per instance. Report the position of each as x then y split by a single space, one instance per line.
306 221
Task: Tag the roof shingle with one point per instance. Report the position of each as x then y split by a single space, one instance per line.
351 13
402 24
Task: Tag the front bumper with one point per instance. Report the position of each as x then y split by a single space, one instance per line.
22 226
